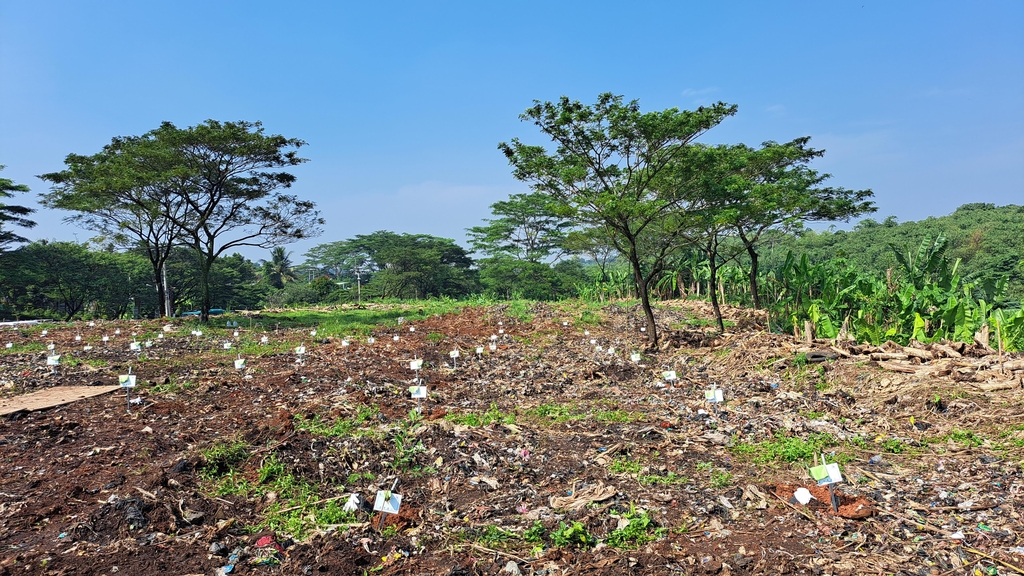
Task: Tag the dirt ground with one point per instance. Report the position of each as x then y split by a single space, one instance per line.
555 453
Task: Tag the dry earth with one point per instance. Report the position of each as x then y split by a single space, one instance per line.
248 468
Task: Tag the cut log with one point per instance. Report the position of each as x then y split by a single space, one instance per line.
876 356
944 350
993 385
918 353
898 367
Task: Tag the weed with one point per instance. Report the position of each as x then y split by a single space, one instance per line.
492 415
670 478
222 456
535 534
623 465
572 535
966 437
389 531
610 416
493 536
893 445
639 531
355 477
786 448
435 337
704 466
720 479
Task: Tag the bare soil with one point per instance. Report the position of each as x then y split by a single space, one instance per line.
932 461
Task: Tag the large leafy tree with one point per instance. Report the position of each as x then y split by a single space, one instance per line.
219 188
607 171
126 194
400 265
773 188
11 214
518 245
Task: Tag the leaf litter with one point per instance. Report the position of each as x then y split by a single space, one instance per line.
529 459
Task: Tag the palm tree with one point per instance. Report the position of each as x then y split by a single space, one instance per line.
279 269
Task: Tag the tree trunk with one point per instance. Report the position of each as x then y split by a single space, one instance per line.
204 290
645 300
714 293
754 295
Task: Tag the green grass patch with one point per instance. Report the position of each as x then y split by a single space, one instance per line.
623 465
491 416
616 416
783 448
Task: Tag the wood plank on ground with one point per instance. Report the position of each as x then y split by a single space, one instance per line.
51 397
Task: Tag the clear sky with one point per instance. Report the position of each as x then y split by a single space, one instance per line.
403 103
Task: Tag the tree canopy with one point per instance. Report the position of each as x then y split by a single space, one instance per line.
12 214
607 170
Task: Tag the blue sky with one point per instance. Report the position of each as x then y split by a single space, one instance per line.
403 104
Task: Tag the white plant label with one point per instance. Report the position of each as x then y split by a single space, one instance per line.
236 333
714 395
78 338
240 363
371 340
586 332
643 328
395 338
493 347
598 349
479 349
418 392
453 354
387 502
312 332
344 343
500 323
416 364
826 474
91 324
565 323
126 380
117 331
105 338
593 341
412 328
227 345
501 331
45 332
300 350
148 344
160 336
264 340
86 347
635 357
199 332
50 346
494 337
10 345
135 346
669 375
53 360
611 350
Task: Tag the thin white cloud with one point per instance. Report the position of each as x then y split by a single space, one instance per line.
776 109
691 92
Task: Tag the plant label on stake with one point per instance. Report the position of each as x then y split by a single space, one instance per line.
387 502
53 361
86 347
148 344
239 363
669 376
454 355
479 350
371 340
127 381
227 345
134 347
50 346
117 332
45 332
105 338
9 345
264 340
493 347
235 333
635 357
78 337
160 336
828 475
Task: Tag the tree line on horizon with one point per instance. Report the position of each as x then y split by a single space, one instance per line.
624 198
